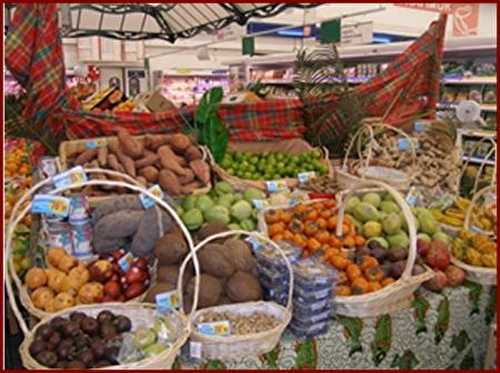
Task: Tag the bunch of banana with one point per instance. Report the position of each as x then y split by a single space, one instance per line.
475 249
454 215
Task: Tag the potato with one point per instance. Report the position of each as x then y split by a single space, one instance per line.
54 256
169 182
170 249
214 262
35 278
41 297
210 290
66 263
243 287
150 173
56 279
63 300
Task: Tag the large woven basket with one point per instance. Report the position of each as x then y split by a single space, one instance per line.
294 147
239 346
397 179
68 148
482 275
25 205
399 294
140 313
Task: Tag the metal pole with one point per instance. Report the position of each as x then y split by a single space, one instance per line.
281 28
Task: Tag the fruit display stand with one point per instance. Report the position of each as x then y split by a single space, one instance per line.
366 136
294 147
139 313
237 346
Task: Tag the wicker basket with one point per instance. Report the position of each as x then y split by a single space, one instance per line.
390 176
482 275
295 147
239 346
397 295
68 148
15 218
140 313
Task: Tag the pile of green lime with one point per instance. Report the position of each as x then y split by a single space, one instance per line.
272 165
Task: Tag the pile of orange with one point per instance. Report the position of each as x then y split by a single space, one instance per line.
312 227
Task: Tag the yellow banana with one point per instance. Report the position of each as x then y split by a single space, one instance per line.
453 213
452 221
462 203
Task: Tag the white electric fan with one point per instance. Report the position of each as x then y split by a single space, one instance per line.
469 112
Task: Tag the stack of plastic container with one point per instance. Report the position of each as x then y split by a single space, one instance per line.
312 298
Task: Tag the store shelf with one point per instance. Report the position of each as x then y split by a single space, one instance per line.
478 160
473 80
484 107
477 133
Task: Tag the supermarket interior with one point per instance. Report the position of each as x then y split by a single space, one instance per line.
250 185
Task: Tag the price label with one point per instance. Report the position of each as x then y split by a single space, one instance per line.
95 143
404 144
148 202
304 177
276 186
255 242
259 204
51 205
420 126
75 176
125 261
167 301
195 349
217 328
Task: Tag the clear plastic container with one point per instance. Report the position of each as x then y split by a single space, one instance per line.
308 332
311 318
278 297
268 257
312 274
273 276
308 296
304 307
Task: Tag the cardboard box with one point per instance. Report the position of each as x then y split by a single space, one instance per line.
155 102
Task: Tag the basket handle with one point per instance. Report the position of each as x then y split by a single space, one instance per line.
474 200
493 151
412 252
357 136
223 235
140 189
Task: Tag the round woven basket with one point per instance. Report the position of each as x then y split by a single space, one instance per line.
395 178
24 294
482 275
239 346
242 184
397 295
140 313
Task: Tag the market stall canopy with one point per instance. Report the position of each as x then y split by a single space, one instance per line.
167 21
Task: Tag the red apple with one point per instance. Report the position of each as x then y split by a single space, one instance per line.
455 276
123 282
423 247
117 254
113 289
134 290
107 298
438 256
437 283
100 271
136 274
140 263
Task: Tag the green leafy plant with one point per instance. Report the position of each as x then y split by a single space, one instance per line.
208 127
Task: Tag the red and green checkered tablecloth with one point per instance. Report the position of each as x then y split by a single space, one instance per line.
408 86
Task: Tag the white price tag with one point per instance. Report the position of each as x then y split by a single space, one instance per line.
74 176
51 205
259 204
217 328
195 349
276 186
167 301
149 202
304 177
255 242
420 126
404 144
95 143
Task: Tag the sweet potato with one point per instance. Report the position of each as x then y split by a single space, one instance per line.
85 156
114 164
142 180
131 147
169 182
148 160
193 153
102 156
150 173
114 147
169 161
201 170
190 187
127 162
120 224
189 177
155 141
180 142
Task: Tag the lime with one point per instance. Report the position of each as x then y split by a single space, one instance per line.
230 171
251 168
247 175
280 165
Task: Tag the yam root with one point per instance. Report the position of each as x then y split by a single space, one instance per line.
188 178
201 170
85 156
150 173
149 232
169 182
169 160
131 147
193 153
148 160
180 142
112 205
120 224
102 156
114 164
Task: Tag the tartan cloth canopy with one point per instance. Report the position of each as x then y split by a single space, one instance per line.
410 85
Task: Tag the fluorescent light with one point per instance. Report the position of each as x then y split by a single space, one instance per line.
290 33
379 39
